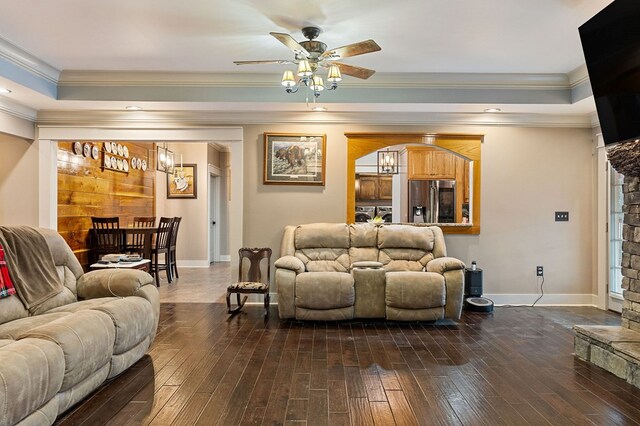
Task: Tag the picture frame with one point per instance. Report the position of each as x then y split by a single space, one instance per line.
294 159
183 182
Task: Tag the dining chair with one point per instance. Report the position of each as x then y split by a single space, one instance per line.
136 240
107 238
144 221
161 246
172 246
250 278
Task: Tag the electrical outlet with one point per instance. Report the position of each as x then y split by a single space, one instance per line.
562 216
539 271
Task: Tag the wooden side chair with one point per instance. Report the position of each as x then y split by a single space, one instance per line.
250 279
107 236
136 240
172 246
144 221
161 246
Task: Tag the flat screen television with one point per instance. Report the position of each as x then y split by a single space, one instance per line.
611 45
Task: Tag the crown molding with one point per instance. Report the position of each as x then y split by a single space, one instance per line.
72 78
578 75
18 110
220 147
185 119
28 61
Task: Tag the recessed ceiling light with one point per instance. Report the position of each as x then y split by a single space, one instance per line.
133 108
319 109
4 91
492 110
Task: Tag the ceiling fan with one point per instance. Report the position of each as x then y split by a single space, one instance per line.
311 54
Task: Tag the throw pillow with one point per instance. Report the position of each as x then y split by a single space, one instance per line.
6 285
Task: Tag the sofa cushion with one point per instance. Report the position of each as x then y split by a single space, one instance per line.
86 339
363 235
322 235
363 254
31 374
13 329
83 305
11 308
415 290
405 237
324 259
133 320
324 290
397 259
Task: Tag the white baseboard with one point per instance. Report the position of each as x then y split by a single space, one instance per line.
547 299
225 258
193 263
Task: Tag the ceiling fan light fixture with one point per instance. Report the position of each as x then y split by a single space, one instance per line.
334 75
304 68
317 84
288 80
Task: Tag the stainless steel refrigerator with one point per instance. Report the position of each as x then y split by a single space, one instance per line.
432 201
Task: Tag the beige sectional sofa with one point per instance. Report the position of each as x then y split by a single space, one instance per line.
335 271
53 354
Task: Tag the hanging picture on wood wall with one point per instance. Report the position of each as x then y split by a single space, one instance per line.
183 182
291 159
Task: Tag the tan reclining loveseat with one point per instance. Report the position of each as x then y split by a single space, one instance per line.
54 352
335 271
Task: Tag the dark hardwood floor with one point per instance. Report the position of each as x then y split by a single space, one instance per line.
512 367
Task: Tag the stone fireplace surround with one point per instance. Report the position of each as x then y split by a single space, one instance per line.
617 348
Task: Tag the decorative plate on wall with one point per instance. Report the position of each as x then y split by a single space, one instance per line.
120 151
125 151
77 148
114 148
95 152
133 163
144 165
107 147
125 165
107 161
119 162
139 164
87 150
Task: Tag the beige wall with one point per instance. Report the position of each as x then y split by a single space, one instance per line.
192 238
527 174
18 181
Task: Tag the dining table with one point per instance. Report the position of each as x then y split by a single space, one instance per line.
128 239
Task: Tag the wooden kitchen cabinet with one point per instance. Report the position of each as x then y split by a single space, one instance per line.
368 188
385 187
373 187
430 163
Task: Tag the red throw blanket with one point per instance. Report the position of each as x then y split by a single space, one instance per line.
6 286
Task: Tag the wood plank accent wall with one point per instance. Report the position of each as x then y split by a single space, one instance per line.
85 190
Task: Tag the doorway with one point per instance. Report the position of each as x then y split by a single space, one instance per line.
214 214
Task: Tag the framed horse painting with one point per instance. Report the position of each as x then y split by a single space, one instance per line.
291 159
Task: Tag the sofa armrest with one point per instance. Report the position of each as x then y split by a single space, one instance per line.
291 263
441 265
112 282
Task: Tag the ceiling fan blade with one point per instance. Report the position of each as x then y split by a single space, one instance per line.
354 49
274 61
288 41
353 71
